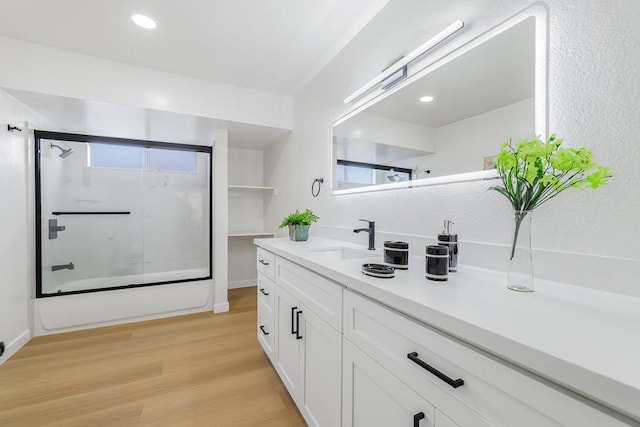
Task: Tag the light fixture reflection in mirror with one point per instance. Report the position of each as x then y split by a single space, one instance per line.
447 125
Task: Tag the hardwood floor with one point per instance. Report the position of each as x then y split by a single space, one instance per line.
195 370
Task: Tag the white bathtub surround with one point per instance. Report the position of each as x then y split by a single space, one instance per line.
581 339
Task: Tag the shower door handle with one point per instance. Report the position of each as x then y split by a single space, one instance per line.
54 228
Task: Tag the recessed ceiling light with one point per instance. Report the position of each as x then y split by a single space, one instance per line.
144 21
426 99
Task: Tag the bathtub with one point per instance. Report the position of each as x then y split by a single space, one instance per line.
63 313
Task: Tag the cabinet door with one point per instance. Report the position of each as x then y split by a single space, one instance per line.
443 421
288 347
321 379
375 398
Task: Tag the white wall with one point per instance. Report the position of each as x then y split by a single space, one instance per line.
47 70
583 237
16 247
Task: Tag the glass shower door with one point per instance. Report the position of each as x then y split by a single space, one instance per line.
176 211
90 219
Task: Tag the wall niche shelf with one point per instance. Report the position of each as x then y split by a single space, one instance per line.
251 234
248 196
253 188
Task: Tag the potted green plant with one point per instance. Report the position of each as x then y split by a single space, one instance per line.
299 223
532 173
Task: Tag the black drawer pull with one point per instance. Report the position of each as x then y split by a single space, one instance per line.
263 262
293 327
453 383
298 336
263 331
263 292
416 419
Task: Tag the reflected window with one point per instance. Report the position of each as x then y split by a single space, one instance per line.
355 174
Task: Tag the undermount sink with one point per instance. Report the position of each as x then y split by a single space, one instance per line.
340 253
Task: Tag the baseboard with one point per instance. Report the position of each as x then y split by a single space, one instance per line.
15 345
221 307
242 284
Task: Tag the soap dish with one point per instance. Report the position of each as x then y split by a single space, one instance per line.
379 270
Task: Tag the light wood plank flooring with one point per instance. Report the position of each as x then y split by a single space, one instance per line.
196 370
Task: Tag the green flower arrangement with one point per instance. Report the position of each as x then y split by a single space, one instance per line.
300 218
534 172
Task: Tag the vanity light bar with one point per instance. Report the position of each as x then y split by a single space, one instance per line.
412 56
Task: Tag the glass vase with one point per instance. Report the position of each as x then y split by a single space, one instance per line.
520 275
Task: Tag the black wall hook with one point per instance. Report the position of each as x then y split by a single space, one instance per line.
12 128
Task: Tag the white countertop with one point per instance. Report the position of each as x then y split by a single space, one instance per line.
583 339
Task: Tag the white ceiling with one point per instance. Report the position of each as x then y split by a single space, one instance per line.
495 74
271 45
98 118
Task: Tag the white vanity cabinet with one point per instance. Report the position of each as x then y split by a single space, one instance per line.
467 387
350 361
308 342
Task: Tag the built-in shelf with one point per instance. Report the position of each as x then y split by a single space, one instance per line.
253 188
251 234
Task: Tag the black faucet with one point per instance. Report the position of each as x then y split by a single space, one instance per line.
372 233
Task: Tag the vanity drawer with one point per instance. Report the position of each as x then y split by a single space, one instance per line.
266 262
266 330
493 393
317 293
266 291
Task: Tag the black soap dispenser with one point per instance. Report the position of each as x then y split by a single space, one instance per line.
450 240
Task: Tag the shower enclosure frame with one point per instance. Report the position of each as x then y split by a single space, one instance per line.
72 137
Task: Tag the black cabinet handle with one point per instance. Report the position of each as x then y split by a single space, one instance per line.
293 328
298 336
263 262
263 292
263 331
453 383
417 418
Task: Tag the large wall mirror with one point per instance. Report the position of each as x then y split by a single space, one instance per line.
448 121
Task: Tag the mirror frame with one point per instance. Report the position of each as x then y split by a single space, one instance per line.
539 12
